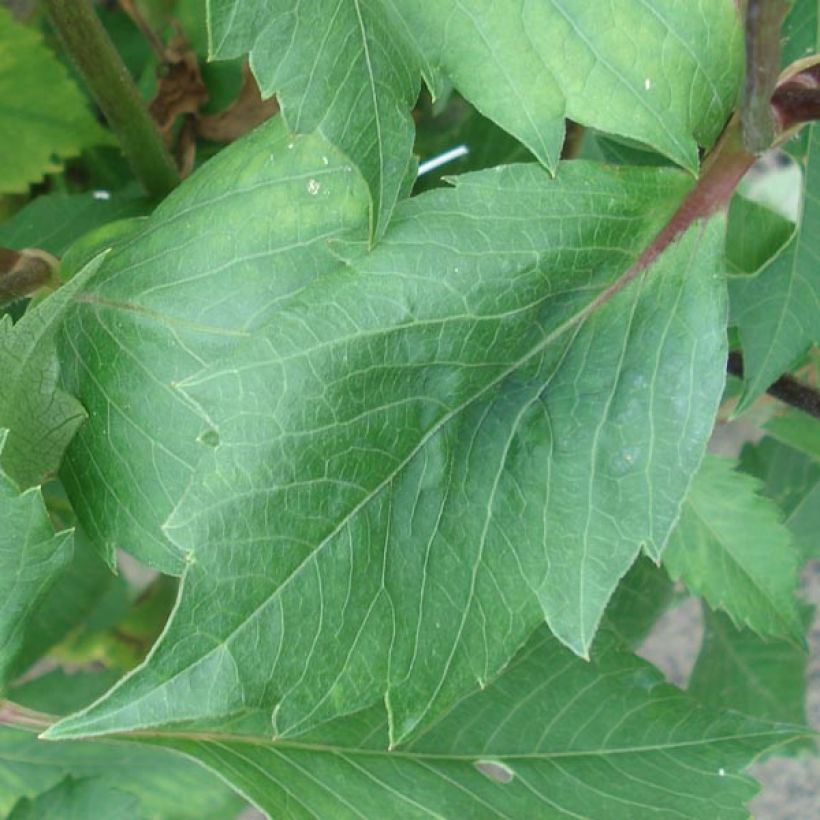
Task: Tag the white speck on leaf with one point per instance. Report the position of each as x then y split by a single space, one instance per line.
496 771
102 195
290 145
647 83
325 160
313 187
722 772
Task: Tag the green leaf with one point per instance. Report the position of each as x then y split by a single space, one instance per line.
256 223
78 800
792 480
606 148
59 692
529 65
797 430
800 31
754 235
778 309
641 598
41 418
553 737
730 547
738 670
31 559
43 115
365 111
165 784
526 66
454 421
67 605
53 222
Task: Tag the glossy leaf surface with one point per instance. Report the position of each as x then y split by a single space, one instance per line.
255 223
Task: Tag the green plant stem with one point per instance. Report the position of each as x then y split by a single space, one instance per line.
94 54
763 22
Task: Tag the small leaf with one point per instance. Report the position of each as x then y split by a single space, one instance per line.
365 111
791 478
730 547
554 736
736 669
796 430
31 559
67 605
164 783
778 309
78 800
754 235
43 115
40 417
156 778
642 596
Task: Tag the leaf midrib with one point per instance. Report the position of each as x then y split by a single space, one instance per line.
786 731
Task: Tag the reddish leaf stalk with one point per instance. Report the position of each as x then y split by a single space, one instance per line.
797 99
24 272
11 714
722 171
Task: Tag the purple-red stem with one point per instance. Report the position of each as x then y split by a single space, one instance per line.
722 171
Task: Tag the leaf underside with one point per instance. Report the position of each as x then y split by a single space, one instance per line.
392 475
553 737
